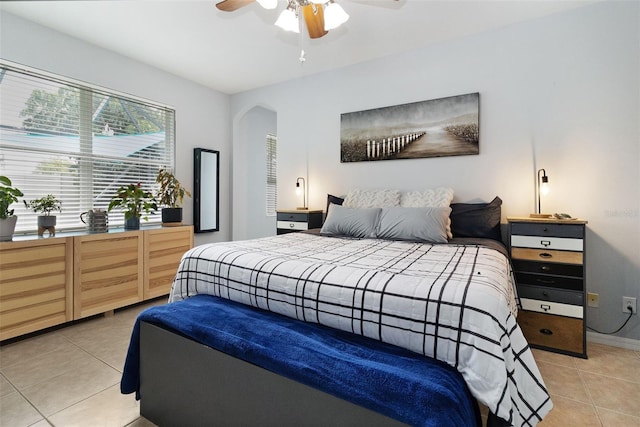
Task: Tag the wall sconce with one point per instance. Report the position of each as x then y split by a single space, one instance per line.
301 190
542 188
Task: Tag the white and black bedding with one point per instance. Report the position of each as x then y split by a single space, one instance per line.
453 302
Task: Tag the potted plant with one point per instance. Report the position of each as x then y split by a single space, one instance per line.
134 201
170 195
46 205
8 195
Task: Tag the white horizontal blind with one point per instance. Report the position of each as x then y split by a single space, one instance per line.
272 172
78 143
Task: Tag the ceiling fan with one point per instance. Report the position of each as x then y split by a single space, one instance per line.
320 16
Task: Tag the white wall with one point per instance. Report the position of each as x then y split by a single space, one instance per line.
250 219
560 93
202 114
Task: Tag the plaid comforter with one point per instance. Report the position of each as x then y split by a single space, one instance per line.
452 302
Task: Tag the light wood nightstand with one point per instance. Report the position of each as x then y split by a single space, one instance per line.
548 258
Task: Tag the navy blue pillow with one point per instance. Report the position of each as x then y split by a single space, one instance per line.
477 219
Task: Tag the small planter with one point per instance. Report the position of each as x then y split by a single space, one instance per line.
132 223
47 223
172 216
7 227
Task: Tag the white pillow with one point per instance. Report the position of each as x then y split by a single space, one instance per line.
343 221
416 224
440 197
371 198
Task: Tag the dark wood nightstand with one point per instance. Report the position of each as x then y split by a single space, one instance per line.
548 257
289 221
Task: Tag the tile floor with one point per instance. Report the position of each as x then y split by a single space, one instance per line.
70 377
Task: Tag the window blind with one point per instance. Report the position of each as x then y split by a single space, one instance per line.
79 143
272 171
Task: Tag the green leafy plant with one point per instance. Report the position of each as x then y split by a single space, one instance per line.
46 204
171 192
134 201
8 195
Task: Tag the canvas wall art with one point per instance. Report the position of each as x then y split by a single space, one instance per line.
435 128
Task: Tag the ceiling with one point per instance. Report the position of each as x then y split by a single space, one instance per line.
242 50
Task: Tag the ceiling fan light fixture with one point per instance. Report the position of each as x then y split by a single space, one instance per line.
288 20
268 4
334 16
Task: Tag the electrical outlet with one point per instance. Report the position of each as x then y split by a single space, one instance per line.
593 300
629 302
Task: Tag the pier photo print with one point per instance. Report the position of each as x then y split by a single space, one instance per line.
435 128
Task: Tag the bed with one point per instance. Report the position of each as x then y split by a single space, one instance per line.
393 275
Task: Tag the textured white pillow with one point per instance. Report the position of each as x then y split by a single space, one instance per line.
415 224
371 198
353 222
440 197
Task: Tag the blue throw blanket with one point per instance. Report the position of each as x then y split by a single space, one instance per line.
387 379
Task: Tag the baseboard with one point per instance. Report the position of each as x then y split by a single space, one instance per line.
628 343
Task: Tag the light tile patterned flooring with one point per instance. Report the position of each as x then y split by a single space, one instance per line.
70 377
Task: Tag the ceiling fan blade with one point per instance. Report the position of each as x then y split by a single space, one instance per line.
314 18
231 5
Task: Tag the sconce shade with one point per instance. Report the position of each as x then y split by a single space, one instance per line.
334 16
288 21
268 4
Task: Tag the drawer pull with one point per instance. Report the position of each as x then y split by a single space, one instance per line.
546 255
545 294
545 243
545 268
546 331
546 282
545 307
291 225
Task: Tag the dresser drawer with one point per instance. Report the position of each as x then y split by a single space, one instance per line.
290 216
567 257
292 225
573 270
548 230
561 282
551 307
554 332
540 242
550 294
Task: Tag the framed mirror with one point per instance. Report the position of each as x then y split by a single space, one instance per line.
206 166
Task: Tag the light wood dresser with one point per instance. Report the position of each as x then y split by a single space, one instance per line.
49 281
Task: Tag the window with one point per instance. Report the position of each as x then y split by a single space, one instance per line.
272 172
77 142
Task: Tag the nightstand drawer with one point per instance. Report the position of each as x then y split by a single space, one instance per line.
290 216
553 332
548 230
540 242
549 294
574 270
561 282
292 225
548 256
550 307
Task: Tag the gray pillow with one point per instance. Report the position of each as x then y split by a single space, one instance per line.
416 224
350 222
